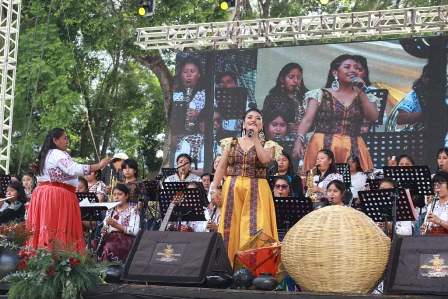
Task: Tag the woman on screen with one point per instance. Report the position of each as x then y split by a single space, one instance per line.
247 199
288 93
189 90
337 112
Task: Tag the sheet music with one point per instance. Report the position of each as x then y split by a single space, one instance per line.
86 204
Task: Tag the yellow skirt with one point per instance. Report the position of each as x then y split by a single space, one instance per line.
341 146
247 207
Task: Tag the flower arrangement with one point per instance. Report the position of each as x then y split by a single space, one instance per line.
53 274
14 235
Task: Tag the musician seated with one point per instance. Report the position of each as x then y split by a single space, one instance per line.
189 226
437 219
281 187
402 228
183 173
214 212
13 208
121 225
335 193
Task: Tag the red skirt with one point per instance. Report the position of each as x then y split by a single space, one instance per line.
54 217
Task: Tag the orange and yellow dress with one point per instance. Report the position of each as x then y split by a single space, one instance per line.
337 128
247 199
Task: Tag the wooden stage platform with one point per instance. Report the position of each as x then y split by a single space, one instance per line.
128 291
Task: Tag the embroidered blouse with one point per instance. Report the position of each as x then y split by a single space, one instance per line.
333 117
98 188
190 178
241 163
60 167
194 146
128 217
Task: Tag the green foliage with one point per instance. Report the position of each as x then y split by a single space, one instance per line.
53 275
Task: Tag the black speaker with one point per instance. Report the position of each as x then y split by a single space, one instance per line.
176 258
418 265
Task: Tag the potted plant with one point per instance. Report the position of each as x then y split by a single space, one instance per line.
12 237
53 274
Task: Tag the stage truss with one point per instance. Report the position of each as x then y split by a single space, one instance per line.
369 25
9 43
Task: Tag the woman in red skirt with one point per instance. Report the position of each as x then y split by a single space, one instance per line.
54 216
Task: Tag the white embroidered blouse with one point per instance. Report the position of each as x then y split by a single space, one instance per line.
60 167
128 217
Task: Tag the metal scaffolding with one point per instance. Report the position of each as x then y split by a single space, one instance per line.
367 25
9 43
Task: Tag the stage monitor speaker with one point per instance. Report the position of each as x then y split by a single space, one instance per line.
176 258
418 265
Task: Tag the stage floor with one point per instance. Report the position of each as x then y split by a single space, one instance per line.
128 291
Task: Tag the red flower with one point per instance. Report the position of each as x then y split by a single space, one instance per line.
26 253
74 261
22 265
51 270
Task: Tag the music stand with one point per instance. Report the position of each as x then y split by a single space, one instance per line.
166 172
5 179
415 178
374 184
289 210
344 170
89 213
381 205
386 144
191 208
231 102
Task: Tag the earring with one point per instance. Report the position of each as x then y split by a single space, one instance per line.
335 83
262 136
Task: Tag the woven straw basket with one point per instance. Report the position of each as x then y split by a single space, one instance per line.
336 249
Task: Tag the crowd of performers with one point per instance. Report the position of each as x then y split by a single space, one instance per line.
239 191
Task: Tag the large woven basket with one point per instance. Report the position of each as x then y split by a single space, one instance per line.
336 249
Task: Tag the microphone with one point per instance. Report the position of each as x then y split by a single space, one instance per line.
250 133
358 84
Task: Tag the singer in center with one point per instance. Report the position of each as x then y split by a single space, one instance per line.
247 199
337 113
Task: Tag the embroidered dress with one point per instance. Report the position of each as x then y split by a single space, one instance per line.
99 188
247 199
192 145
337 128
117 244
54 215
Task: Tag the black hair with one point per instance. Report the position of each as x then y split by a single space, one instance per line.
442 150
33 178
388 180
122 187
83 181
332 168
244 117
283 73
407 157
440 177
290 170
221 75
287 113
189 60
131 163
338 184
21 195
363 62
206 174
420 86
357 162
281 177
48 144
184 155
335 64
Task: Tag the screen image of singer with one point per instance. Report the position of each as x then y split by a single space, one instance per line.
280 81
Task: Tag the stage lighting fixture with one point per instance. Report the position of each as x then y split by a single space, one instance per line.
145 8
226 4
